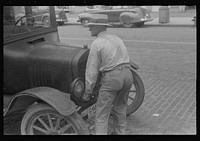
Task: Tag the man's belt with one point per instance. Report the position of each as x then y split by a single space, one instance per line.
118 67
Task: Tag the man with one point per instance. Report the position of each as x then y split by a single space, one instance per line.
108 55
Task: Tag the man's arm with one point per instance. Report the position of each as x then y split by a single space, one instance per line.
92 69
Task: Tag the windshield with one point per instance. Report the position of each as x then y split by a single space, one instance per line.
22 19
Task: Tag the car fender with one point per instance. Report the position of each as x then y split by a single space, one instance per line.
129 17
55 98
85 16
133 65
90 16
45 15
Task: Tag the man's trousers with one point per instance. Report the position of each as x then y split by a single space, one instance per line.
113 95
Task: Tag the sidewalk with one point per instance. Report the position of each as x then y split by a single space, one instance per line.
176 19
173 21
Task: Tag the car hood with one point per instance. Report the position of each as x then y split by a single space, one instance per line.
54 53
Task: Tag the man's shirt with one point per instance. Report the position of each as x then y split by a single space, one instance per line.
106 52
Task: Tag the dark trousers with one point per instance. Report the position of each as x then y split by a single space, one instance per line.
113 95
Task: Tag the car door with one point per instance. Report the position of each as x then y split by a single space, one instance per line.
100 14
114 14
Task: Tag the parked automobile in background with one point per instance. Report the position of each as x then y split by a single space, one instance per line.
118 16
40 14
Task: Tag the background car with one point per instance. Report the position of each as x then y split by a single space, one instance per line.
41 15
126 16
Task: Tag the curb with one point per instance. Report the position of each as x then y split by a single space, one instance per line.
73 23
160 25
172 25
175 22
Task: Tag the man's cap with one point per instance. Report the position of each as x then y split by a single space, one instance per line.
99 21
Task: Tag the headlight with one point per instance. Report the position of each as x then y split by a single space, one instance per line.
77 87
57 16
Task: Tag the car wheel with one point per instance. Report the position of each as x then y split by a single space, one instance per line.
84 21
127 25
46 21
136 95
140 24
42 119
60 23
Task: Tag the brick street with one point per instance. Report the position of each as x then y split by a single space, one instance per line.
169 106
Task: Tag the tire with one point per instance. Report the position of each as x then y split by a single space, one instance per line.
37 119
46 21
134 103
84 21
140 24
127 25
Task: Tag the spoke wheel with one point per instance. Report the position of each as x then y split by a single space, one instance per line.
42 119
136 95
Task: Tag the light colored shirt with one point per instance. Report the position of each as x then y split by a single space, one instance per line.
106 52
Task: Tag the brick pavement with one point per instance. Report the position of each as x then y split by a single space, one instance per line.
169 106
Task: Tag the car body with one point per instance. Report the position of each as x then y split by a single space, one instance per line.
40 75
34 56
135 16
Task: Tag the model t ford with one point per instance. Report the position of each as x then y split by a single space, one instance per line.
44 79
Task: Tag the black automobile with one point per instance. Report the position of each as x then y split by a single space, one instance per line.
38 73
41 14
118 16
